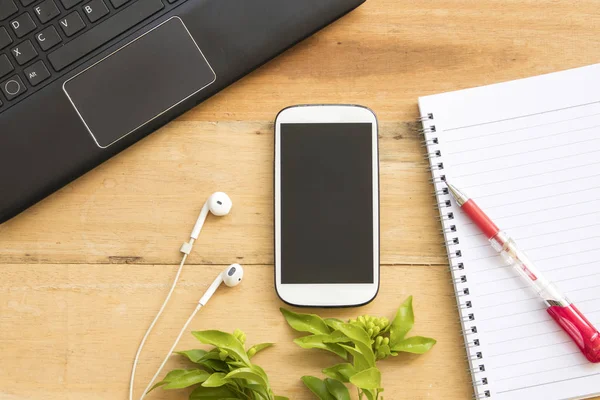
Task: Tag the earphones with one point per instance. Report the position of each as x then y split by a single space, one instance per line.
218 204
232 276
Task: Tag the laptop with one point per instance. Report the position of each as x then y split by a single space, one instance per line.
81 80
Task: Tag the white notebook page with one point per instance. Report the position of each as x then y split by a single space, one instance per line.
528 152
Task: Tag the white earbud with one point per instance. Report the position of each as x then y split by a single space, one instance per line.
232 276
218 204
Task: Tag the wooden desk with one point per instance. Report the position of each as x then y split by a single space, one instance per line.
84 271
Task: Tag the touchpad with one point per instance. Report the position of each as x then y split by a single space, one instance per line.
139 82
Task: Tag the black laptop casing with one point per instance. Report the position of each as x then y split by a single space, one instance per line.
43 142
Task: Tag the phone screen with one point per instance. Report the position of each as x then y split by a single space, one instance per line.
326 203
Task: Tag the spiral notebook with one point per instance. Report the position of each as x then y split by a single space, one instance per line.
528 152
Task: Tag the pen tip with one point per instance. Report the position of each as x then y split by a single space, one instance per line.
460 197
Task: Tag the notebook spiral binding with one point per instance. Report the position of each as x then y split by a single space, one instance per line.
444 204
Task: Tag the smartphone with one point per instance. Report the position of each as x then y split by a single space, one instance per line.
326 205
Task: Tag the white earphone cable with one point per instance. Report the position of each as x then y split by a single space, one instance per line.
158 315
189 321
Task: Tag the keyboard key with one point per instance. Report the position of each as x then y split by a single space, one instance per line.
70 3
48 38
24 52
5 65
118 3
95 10
46 10
103 32
37 73
13 87
22 25
27 2
7 8
72 23
5 39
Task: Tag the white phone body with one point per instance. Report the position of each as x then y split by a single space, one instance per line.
325 294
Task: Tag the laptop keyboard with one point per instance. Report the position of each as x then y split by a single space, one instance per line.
40 39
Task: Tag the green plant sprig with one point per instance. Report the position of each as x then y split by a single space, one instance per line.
224 372
361 342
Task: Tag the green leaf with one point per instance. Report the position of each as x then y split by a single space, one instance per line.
403 323
306 322
367 379
281 398
215 365
341 372
249 374
225 341
356 333
206 393
337 389
252 351
358 359
333 323
236 364
259 390
367 352
216 380
415 344
369 394
337 337
182 378
209 360
316 342
193 355
261 372
318 387
214 354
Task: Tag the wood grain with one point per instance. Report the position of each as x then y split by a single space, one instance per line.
140 206
84 271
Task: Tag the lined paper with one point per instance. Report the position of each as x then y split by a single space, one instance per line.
528 152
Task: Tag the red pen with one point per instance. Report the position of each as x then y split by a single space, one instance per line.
560 308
